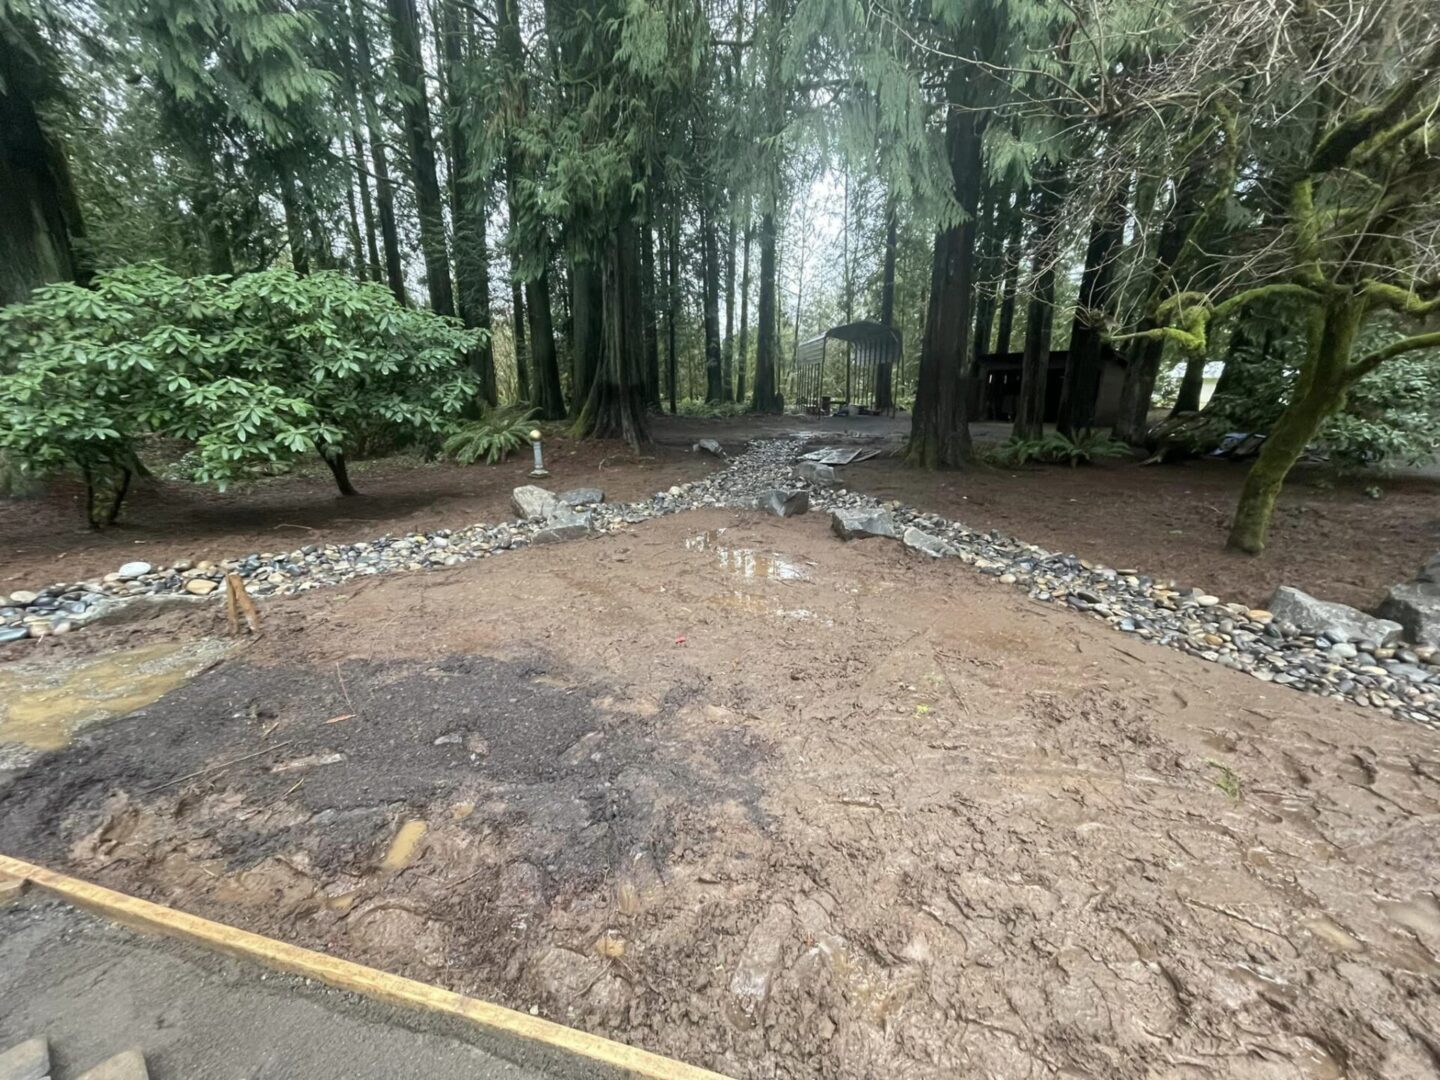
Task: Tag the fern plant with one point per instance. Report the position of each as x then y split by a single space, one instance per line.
1057 449
493 437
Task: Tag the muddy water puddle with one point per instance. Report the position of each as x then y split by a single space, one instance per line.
748 563
44 704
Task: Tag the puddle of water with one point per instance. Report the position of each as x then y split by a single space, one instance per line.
43 706
747 562
404 847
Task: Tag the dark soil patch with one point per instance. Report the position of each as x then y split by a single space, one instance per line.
1329 538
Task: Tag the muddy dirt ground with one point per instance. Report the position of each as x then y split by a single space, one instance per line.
1329 537
44 538
729 789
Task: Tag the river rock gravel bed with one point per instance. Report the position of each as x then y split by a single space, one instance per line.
1402 679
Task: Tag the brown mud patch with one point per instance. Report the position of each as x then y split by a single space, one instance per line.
882 817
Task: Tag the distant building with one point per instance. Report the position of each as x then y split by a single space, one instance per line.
997 390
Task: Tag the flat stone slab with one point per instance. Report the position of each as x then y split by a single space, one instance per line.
564 525
817 473
1416 607
127 1066
783 503
1323 617
858 524
28 1061
533 503
586 496
926 544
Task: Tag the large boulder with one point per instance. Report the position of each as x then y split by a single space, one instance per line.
710 446
859 523
586 496
1331 619
532 503
783 503
1416 607
816 473
564 524
926 543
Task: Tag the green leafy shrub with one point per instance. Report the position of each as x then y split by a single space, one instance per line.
493 437
1057 449
250 371
710 410
1391 417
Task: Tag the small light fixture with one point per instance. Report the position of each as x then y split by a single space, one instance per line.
539 472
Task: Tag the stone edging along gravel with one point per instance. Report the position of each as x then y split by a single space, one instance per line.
1405 681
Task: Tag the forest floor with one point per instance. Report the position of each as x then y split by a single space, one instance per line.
730 789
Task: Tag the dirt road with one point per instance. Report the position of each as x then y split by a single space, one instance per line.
729 789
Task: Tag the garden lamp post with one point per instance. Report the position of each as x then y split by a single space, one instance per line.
539 472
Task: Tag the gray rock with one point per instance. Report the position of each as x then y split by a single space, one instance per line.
710 446
12 633
858 523
783 503
127 1066
1430 572
816 473
1343 650
28 1061
1319 616
132 570
23 597
1416 607
532 503
588 496
565 525
921 541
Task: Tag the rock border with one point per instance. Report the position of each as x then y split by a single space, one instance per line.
1403 679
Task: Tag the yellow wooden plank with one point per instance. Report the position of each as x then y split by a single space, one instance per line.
345 975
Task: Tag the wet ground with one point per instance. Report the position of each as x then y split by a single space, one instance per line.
95 989
731 790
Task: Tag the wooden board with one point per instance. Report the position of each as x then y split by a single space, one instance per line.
344 975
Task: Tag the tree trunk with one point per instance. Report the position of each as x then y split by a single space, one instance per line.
1142 368
652 326
1319 391
39 213
415 105
1039 313
615 407
992 225
766 398
672 290
1085 360
468 208
335 459
544 364
294 222
884 373
1010 285
742 356
587 325
367 210
357 245
710 299
1192 385
384 189
522 353
1132 424
727 345
940 425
